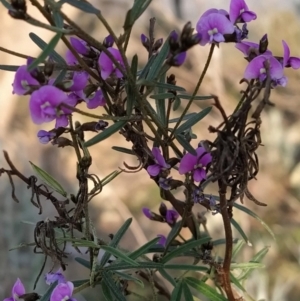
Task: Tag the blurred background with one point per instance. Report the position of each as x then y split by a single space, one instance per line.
277 184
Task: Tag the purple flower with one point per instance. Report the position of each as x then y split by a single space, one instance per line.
162 240
289 61
43 106
17 291
215 11
160 163
172 216
106 65
70 58
63 292
239 12
80 46
256 69
178 59
53 277
108 41
248 47
45 136
78 81
23 80
195 164
212 27
94 100
164 183
147 212
241 34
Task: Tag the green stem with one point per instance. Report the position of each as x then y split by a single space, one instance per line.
212 47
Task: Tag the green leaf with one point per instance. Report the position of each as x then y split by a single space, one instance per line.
119 254
83 262
177 292
176 106
193 120
106 292
186 292
60 77
123 150
236 282
158 62
82 5
115 241
255 259
167 276
58 20
187 116
248 211
42 44
80 282
174 232
185 247
162 96
47 51
142 265
246 265
12 68
186 145
48 293
143 73
106 133
237 248
135 12
6 4
240 230
160 103
143 249
109 281
130 278
49 180
110 177
184 96
204 289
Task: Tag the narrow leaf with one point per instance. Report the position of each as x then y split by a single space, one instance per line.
246 265
109 281
83 262
115 241
130 87
185 267
184 96
177 292
187 246
236 282
42 44
6 4
176 105
186 145
193 120
154 83
106 133
130 278
167 276
186 117
143 249
106 292
237 248
119 254
162 96
241 231
160 103
82 5
143 73
186 292
251 213
205 289
123 150
49 180
58 20
46 52
80 282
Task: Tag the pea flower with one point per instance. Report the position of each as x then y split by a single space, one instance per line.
212 28
256 69
195 164
289 61
17 291
78 80
63 292
92 101
43 106
107 66
162 240
160 163
45 136
247 47
53 277
148 213
164 183
239 12
23 80
80 46
171 216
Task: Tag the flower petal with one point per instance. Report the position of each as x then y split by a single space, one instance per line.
18 289
199 174
187 163
206 159
286 53
61 291
153 170
294 62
